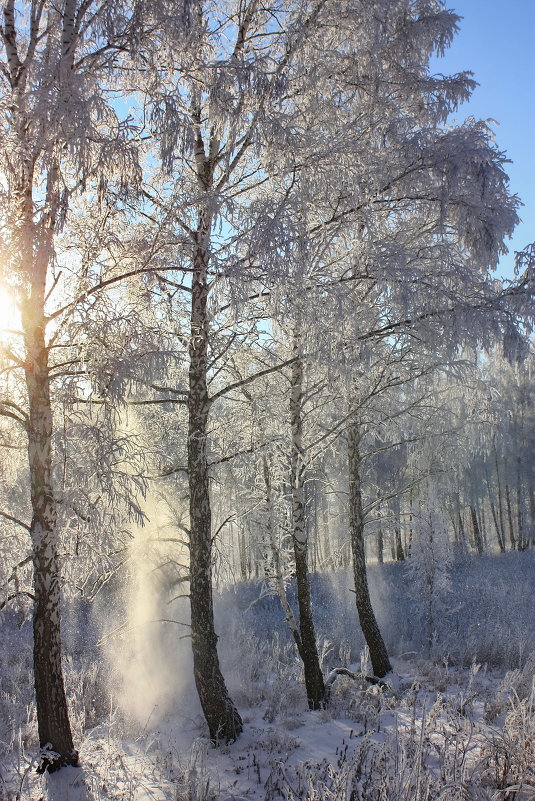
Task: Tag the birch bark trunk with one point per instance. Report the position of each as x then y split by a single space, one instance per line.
314 683
276 562
55 736
368 623
478 539
223 719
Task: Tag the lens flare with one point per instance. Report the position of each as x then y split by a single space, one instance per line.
9 314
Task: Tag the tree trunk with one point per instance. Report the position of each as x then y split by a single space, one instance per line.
497 526
519 507
512 537
478 541
275 566
378 653
411 517
55 736
501 535
314 683
400 553
380 546
224 722
328 560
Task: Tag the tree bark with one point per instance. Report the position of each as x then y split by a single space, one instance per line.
400 553
519 507
512 537
276 568
328 559
368 623
314 683
478 540
224 722
380 546
497 526
55 736
501 532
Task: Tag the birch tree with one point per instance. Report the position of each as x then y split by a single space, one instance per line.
61 136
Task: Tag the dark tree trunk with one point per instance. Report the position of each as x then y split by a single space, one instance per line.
519 507
55 736
497 526
314 683
478 540
368 623
512 537
501 535
328 559
224 722
380 546
400 553
411 517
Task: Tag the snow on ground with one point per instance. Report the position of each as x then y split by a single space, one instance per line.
438 732
447 729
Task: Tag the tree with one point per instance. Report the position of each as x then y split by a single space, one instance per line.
61 136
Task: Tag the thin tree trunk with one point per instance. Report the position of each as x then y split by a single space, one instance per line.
400 553
314 683
512 537
501 537
461 540
380 545
224 722
276 562
378 653
497 526
519 507
379 542
411 517
483 527
478 541
328 561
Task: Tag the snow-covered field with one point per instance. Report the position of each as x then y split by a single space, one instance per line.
456 721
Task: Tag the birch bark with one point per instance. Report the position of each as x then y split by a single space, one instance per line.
314 683
223 719
368 623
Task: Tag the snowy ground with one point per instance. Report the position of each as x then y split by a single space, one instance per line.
437 733
443 730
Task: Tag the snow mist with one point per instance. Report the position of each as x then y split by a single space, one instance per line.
148 651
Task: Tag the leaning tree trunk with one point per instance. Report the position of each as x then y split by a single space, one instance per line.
314 683
55 736
378 653
224 722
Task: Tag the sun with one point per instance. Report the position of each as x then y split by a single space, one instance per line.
10 323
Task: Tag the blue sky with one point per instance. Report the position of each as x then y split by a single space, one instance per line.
496 42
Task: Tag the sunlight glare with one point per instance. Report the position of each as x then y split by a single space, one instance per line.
10 322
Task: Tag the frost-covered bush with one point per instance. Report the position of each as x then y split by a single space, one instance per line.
485 612
428 569
508 757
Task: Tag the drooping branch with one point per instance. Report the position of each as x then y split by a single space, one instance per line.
16 520
14 412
